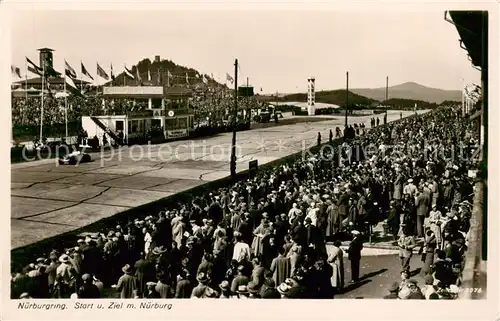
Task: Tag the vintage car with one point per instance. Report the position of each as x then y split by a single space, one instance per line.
75 158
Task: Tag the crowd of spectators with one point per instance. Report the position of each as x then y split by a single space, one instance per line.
265 236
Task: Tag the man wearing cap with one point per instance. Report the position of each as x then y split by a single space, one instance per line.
406 244
354 255
51 270
422 203
239 280
225 290
88 290
127 283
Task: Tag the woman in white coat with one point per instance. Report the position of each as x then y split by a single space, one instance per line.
336 260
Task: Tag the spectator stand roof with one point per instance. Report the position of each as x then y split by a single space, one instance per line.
472 26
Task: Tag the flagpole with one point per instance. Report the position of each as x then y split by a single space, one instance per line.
25 90
66 107
168 78
41 108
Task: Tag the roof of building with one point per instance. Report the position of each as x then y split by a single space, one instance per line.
472 26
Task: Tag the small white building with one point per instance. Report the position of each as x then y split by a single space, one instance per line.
167 108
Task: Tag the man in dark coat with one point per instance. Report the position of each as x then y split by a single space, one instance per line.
88 290
393 220
354 254
144 272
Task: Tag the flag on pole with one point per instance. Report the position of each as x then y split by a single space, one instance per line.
68 70
138 74
71 84
50 71
101 73
129 72
85 72
15 71
229 78
168 78
32 67
112 73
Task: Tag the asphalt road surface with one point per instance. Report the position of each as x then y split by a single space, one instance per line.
377 273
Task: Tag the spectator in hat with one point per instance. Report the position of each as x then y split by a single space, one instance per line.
88 290
51 270
261 235
163 287
127 283
225 290
203 290
422 203
150 292
393 291
239 279
354 255
242 292
257 273
430 249
65 276
336 259
406 243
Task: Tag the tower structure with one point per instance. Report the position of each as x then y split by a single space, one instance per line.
311 96
46 57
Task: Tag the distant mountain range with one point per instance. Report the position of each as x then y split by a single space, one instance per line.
411 91
407 92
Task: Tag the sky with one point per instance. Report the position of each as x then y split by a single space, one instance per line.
277 50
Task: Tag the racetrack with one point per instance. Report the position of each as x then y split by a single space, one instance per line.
48 199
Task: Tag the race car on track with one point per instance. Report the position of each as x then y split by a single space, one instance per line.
75 158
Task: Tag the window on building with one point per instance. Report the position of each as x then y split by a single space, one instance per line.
135 126
156 103
119 125
176 123
155 123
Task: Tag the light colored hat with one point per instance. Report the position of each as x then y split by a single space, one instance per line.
64 258
242 289
355 232
283 288
410 180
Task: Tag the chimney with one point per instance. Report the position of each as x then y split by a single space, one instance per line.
157 58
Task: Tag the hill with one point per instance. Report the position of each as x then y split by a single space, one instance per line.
412 91
398 103
336 97
159 71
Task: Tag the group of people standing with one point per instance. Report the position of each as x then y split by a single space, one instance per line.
265 237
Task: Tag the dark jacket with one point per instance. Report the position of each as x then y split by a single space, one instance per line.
354 250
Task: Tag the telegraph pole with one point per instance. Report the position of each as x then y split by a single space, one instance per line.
386 97
233 145
346 97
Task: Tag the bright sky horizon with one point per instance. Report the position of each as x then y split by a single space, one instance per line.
277 50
